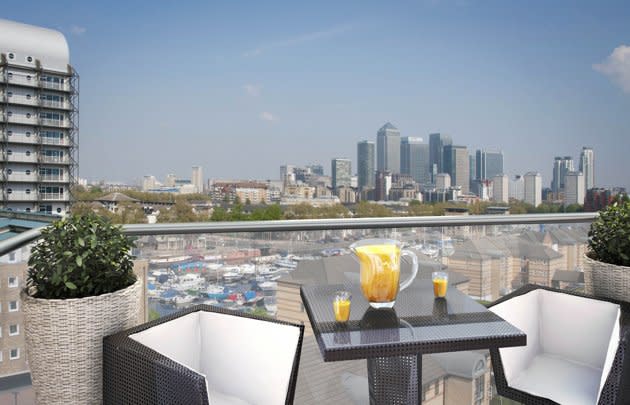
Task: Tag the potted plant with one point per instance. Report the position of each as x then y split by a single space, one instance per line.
607 262
80 288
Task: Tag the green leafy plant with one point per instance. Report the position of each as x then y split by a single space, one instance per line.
80 256
609 236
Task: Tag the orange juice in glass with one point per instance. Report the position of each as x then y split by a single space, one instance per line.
379 260
341 306
440 283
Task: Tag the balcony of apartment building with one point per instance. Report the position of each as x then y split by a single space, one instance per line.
21 78
260 267
51 122
26 137
19 155
53 178
17 195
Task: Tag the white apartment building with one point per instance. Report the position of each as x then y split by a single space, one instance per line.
38 119
500 188
533 188
574 188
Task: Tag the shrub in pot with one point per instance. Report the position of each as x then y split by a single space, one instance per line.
80 287
607 262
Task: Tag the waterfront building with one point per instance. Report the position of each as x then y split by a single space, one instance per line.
38 119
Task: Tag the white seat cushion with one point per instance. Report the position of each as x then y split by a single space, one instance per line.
244 360
559 380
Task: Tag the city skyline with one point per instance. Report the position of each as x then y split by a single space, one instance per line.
275 80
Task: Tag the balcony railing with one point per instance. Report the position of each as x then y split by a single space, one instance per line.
53 123
53 178
259 266
46 140
54 86
53 159
53 196
53 104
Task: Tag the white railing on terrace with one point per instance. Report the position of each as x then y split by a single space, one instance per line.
53 159
52 85
53 104
53 178
53 123
46 140
53 196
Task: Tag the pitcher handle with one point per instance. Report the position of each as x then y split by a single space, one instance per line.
414 268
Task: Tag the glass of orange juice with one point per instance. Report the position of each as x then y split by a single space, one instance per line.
341 306
440 283
379 260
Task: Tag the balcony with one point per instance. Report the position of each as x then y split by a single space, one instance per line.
54 85
53 123
22 196
22 177
259 267
54 104
46 140
49 178
53 159
53 196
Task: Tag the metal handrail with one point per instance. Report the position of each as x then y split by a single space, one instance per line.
22 239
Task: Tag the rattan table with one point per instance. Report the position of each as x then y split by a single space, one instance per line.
394 340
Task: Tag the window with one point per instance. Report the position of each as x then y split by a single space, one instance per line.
9 132
28 134
29 59
58 210
28 96
14 330
9 171
28 153
47 209
11 55
9 190
14 354
9 152
28 115
10 75
28 77
28 172
28 191
10 93
10 113
28 210
13 306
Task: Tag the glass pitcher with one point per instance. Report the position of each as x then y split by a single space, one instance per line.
380 270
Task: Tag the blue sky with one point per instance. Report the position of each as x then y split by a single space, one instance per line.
243 87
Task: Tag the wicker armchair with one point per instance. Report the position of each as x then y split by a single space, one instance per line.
575 353
203 355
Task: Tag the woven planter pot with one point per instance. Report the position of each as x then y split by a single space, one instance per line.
64 342
606 280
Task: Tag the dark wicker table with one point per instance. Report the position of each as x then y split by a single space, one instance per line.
394 340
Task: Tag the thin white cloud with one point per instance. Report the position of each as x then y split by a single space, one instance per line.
77 30
617 67
253 90
267 116
300 39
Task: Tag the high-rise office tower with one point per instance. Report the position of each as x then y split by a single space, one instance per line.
414 159
533 188
365 164
587 168
500 188
472 168
341 173
488 164
388 149
561 166
437 142
316 169
574 192
197 178
39 103
456 165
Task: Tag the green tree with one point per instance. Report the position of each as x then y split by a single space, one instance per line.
129 213
181 211
370 210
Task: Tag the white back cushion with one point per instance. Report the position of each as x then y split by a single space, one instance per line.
247 358
576 328
522 312
179 340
